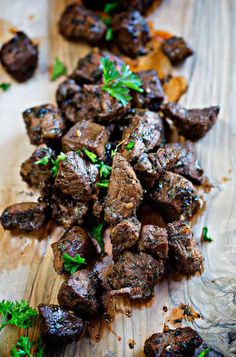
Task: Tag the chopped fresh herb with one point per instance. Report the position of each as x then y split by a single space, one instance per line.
110 7
130 146
205 235
91 155
204 352
59 69
97 234
54 169
23 348
103 184
113 152
109 34
16 313
118 85
104 170
78 151
107 20
5 86
72 264
43 161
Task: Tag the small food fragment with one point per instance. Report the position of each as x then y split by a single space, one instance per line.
25 216
175 196
59 325
19 57
75 241
193 124
86 134
180 342
154 241
77 177
140 5
131 33
135 275
125 192
205 351
78 23
174 88
44 124
5 86
176 49
184 252
124 235
58 70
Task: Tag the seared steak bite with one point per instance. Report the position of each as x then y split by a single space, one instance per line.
184 252
75 241
176 49
65 94
44 124
135 274
153 94
77 177
19 57
180 342
25 216
35 169
125 192
140 5
154 240
59 325
175 196
124 235
144 133
188 165
131 33
77 23
193 124
86 134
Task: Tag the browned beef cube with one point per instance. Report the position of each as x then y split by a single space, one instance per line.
77 177
77 23
33 171
176 49
153 94
124 235
180 342
98 208
143 134
25 216
75 241
19 57
136 274
176 197
59 325
65 94
188 165
154 240
86 134
78 293
140 5
193 124
102 269
184 251
131 33
125 192
44 124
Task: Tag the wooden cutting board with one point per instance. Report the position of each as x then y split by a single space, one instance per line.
26 269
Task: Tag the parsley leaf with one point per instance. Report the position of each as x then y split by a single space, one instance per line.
110 7
43 161
91 155
5 86
23 348
109 34
204 352
55 163
106 20
72 264
16 313
104 170
130 145
103 184
205 235
59 69
97 233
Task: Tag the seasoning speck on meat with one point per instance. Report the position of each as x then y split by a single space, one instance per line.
176 49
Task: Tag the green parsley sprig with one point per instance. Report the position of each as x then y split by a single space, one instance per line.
205 235
103 184
24 346
55 163
97 233
130 145
204 352
109 7
72 264
59 69
5 86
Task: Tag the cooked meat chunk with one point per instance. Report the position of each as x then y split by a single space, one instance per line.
66 93
154 240
124 192
59 325
193 124
136 275
75 241
77 23
124 235
86 134
77 177
180 342
153 94
131 33
78 293
145 133
140 5
25 216
19 57
175 196
184 251
102 269
188 165
98 207
176 49
44 124
37 167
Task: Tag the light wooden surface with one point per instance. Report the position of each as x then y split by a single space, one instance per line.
26 262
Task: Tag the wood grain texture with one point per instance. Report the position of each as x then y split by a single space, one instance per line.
26 269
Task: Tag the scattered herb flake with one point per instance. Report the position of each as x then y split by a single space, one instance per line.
91 155
204 352
55 163
5 86
43 161
104 170
106 20
130 145
205 235
103 184
72 264
110 7
109 34
59 69
23 348
97 234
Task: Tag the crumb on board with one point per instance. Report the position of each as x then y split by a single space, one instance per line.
131 343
